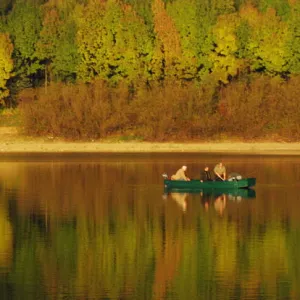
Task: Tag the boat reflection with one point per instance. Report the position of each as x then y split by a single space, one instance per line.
233 194
211 198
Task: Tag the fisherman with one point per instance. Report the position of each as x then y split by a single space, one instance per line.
220 172
205 175
180 174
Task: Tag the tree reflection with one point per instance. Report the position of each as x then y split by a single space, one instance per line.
6 239
91 231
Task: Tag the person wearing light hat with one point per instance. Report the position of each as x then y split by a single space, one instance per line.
180 174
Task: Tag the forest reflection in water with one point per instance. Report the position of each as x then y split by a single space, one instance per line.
103 228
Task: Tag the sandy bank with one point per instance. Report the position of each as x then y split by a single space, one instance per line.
12 142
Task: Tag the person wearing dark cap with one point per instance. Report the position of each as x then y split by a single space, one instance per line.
205 175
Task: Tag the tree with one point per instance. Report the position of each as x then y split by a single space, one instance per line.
222 7
90 40
281 7
167 53
6 64
49 36
113 42
66 58
4 6
268 41
143 9
294 38
224 58
24 25
195 37
57 47
133 45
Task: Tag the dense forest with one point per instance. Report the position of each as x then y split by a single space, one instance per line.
153 69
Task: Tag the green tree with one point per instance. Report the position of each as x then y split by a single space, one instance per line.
6 64
195 37
221 7
24 25
268 42
282 7
4 6
294 38
3 24
113 42
133 46
224 58
67 57
243 33
143 9
49 36
57 47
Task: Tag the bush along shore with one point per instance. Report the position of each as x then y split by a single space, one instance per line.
265 109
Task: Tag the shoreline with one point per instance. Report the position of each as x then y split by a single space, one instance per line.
260 148
13 142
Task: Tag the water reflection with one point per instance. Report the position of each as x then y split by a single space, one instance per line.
220 204
180 199
216 198
101 230
6 240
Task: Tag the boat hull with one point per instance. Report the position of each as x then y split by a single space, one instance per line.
198 185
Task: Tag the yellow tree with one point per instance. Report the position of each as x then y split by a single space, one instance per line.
224 58
6 64
6 238
113 42
268 42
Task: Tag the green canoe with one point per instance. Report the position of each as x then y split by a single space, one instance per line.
196 184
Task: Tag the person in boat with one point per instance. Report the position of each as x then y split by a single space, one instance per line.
205 175
220 172
180 174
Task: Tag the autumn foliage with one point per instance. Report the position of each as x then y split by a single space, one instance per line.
158 71
264 109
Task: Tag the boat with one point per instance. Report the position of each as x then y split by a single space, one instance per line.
196 184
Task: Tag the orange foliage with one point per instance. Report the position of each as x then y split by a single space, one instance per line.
262 108
168 48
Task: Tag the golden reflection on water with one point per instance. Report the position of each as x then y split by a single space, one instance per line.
105 229
6 240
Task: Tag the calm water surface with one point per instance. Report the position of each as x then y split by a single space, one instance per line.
101 227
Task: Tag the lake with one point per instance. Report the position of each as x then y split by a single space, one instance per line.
99 226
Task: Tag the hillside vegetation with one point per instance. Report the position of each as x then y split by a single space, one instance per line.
152 69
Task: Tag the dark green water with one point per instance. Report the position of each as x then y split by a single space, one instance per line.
101 227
